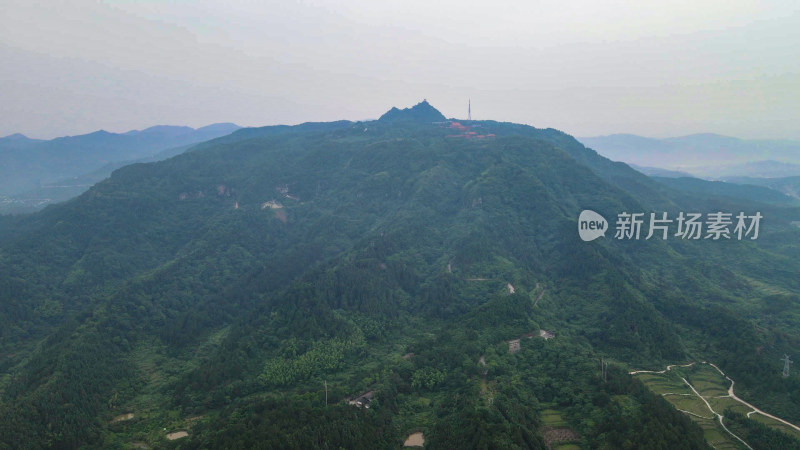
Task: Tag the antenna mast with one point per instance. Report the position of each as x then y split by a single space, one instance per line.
469 109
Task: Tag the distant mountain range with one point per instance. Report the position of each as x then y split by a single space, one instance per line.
27 166
706 155
26 163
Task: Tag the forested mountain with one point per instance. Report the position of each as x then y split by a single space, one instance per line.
248 291
27 164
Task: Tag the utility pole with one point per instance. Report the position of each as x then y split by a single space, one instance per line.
786 362
604 369
469 109
326 393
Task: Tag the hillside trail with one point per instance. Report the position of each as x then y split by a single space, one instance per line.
732 395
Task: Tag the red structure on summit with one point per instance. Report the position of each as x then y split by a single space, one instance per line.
465 132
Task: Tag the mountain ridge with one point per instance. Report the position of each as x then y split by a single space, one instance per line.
421 112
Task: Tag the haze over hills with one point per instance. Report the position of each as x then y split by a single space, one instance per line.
252 291
712 157
70 187
703 154
769 194
17 141
28 164
757 169
787 185
658 172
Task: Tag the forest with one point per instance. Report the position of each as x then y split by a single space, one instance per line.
248 290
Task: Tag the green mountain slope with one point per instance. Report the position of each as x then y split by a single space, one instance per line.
244 291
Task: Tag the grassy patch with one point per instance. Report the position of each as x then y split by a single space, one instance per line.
553 418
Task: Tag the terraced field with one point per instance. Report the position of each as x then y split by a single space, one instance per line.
556 431
701 391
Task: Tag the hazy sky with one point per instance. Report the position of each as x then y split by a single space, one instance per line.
586 67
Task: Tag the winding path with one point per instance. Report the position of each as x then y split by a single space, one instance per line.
669 367
756 410
719 416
